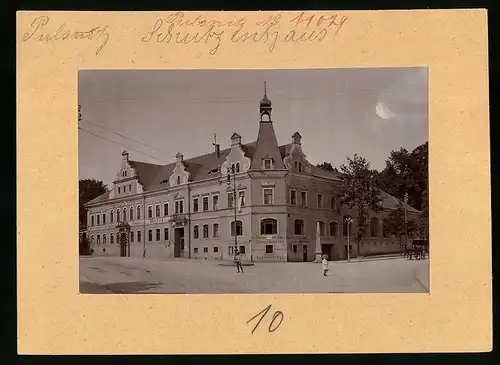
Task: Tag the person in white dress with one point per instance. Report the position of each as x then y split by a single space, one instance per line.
325 265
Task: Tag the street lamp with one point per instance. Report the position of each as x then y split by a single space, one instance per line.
232 170
348 220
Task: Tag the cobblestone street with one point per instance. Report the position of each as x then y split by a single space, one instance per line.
138 275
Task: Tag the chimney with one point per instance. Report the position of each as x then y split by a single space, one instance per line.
125 155
217 150
235 139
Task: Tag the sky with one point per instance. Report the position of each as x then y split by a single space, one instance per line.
153 114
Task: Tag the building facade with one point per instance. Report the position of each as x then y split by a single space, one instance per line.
271 207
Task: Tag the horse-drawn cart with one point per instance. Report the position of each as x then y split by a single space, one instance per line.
419 250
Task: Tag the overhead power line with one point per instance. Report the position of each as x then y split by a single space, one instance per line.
119 144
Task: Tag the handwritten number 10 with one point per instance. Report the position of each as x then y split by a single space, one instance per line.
263 313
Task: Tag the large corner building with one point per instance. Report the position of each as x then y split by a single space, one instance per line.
187 208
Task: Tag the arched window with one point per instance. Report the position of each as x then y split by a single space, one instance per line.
111 238
178 180
345 227
238 167
111 217
374 227
131 213
239 228
321 228
117 216
124 214
196 233
296 165
299 227
333 229
104 239
268 226
300 167
205 231
150 235
138 212
98 239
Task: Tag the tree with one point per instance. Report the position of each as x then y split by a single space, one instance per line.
359 191
394 223
88 190
326 166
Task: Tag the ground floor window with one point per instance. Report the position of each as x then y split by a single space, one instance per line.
157 234
205 249
196 250
138 236
242 249
150 235
98 239
269 248
216 249
132 237
294 248
165 233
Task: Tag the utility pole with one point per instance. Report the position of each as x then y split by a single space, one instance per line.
406 220
235 205
349 221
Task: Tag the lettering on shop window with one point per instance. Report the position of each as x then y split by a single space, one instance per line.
273 325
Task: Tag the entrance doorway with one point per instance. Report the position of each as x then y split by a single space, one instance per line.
179 242
123 244
327 249
304 253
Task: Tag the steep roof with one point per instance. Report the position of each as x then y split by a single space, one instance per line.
100 198
391 202
267 147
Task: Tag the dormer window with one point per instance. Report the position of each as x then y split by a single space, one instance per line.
178 180
164 182
268 164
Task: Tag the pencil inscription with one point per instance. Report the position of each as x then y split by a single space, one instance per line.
39 30
272 326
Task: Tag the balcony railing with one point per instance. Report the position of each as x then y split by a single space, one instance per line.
178 219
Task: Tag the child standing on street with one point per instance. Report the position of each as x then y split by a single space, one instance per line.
239 266
325 265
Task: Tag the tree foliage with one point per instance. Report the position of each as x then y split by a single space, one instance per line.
394 223
88 189
326 166
359 192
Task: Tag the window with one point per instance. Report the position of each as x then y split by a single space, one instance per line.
117 216
242 250
104 239
300 167
269 248
195 205
294 248
98 239
215 202
205 203
238 167
374 227
158 234
231 250
165 234
320 200
124 214
196 233
241 198
178 180
119 190
230 200
131 236
103 218
205 231
296 164
111 238
165 209
196 250
150 235
333 203
138 236
321 228
268 164
385 230
129 187
98 216
216 249
293 197
111 217
239 228
150 211
268 226
138 212
216 230
299 227
333 229
91 220
205 249
303 198
157 210
179 206
268 196
131 213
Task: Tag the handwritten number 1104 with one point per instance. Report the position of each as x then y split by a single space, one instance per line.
272 326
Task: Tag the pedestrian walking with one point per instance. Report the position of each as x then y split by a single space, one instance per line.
325 265
239 266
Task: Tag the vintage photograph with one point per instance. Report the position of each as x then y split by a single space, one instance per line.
253 181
